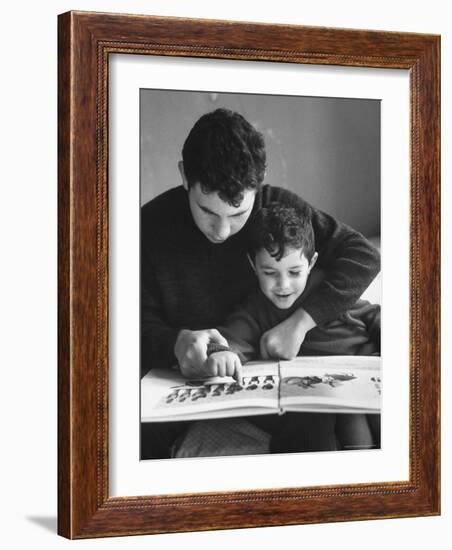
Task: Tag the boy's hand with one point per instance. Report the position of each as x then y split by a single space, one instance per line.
284 340
224 363
191 350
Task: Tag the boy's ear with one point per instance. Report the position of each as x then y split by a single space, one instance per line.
313 260
180 165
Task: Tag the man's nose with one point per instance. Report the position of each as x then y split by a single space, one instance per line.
222 230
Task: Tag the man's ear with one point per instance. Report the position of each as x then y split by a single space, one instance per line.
313 260
180 165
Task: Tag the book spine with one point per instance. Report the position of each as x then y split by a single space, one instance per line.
281 411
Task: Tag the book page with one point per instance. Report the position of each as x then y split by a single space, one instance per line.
331 384
167 395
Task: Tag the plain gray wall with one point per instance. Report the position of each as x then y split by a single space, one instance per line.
325 149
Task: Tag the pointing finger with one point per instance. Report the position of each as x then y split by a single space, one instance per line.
238 374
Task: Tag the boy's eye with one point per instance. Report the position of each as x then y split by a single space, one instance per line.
294 273
269 273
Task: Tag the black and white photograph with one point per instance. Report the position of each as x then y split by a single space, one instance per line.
260 301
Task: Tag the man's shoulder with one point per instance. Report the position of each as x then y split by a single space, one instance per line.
171 199
163 210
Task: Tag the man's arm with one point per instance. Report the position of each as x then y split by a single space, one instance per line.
284 340
242 330
164 346
349 261
371 316
350 264
157 337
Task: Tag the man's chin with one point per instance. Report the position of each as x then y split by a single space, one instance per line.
215 241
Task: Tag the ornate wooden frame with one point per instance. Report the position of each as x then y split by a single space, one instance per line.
85 42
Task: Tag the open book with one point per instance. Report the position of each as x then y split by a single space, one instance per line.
306 384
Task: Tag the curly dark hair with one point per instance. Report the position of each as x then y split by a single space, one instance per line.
224 153
278 227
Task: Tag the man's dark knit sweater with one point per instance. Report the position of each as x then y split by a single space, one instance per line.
189 282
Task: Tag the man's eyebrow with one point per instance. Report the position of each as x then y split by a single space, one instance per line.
205 208
237 214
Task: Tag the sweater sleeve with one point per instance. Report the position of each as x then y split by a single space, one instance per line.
371 316
242 331
157 337
349 261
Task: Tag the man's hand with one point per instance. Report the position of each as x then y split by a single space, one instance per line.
284 340
224 363
191 350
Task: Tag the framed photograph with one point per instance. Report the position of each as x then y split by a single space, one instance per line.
180 143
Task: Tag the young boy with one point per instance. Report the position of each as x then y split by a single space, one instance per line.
282 255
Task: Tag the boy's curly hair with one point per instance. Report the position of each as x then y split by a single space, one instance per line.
224 153
278 228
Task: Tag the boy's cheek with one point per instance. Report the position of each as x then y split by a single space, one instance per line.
267 291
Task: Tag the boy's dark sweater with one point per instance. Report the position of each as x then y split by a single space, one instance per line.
189 282
355 332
